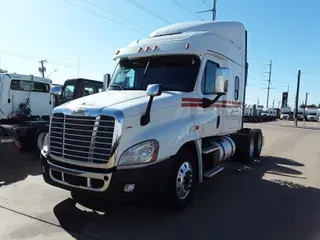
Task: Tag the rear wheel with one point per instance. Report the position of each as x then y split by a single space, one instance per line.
245 145
258 139
182 180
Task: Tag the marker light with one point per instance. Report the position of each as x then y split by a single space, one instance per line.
155 47
147 48
187 45
140 48
117 52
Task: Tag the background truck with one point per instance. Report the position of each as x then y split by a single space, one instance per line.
311 114
25 108
253 114
285 113
172 114
75 88
300 114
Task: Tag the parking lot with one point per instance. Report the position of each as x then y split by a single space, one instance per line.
277 197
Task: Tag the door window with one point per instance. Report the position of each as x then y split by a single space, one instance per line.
68 91
88 90
209 78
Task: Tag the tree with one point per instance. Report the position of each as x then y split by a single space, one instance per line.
3 71
308 106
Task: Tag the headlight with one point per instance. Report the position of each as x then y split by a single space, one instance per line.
45 146
143 152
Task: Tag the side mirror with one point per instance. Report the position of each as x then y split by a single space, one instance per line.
154 90
106 81
222 77
56 90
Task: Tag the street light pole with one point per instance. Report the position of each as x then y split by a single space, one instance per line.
52 72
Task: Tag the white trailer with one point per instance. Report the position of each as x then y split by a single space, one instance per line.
25 108
172 114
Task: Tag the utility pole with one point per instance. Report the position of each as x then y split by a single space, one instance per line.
306 100
42 69
269 83
213 10
273 103
78 67
297 99
258 102
279 102
305 105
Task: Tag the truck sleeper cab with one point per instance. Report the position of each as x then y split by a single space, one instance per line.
171 115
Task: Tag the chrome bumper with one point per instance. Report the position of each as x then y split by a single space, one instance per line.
105 177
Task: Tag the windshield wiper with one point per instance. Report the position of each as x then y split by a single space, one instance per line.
144 73
117 86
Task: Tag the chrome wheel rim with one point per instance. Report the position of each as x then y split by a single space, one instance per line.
40 140
251 147
184 180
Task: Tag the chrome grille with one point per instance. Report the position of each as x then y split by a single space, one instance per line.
81 138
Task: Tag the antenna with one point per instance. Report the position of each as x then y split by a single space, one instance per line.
213 10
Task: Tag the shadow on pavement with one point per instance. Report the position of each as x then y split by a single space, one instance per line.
16 166
237 204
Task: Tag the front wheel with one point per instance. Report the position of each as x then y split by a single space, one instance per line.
39 137
182 180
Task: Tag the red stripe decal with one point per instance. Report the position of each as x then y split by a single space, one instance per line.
197 102
191 99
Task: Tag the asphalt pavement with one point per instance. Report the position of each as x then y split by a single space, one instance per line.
277 197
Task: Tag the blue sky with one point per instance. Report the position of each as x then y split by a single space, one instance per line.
284 31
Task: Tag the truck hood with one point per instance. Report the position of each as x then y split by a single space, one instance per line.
130 102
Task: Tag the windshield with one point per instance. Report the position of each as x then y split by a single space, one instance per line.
312 114
175 73
286 113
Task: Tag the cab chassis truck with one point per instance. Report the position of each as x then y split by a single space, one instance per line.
172 114
25 108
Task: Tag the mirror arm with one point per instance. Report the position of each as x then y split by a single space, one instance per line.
206 102
145 118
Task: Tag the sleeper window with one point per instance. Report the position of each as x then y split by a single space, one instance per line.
236 88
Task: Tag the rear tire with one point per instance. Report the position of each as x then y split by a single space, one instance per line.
258 139
182 179
245 145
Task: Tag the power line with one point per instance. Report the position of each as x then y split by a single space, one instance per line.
105 10
109 19
140 6
34 58
186 10
213 10
318 74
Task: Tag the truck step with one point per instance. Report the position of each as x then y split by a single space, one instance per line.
213 171
210 149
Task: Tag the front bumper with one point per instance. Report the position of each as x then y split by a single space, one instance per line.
149 181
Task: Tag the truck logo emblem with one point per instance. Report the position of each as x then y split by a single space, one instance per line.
78 112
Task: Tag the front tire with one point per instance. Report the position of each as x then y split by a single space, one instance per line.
38 138
183 177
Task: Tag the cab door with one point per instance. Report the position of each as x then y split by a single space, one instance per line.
208 119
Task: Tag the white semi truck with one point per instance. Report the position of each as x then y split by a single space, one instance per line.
172 114
312 114
25 108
